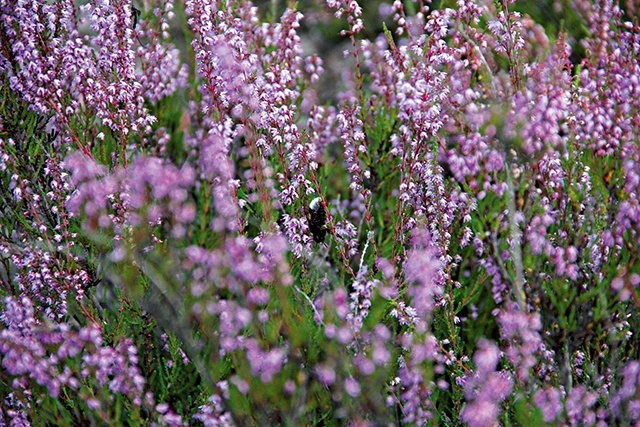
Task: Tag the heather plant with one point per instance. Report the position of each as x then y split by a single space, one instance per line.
194 231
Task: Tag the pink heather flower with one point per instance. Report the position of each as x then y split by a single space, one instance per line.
253 73
171 419
442 77
353 140
289 387
360 300
297 232
579 406
161 73
322 128
148 191
340 300
258 296
115 57
507 29
486 388
93 404
38 283
352 10
486 357
627 393
549 402
480 413
423 269
347 234
364 364
521 330
352 387
242 385
540 112
25 351
415 396
213 413
266 364
326 374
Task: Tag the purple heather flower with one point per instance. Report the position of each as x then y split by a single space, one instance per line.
521 330
485 388
549 402
486 357
93 404
167 416
148 191
297 231
627 393
258 295
289 387
352 10
353 140
326 374
266 364
346 234
360 299
213 414
352 387
161 73
340 301
507 29
579 406
31 351
423 268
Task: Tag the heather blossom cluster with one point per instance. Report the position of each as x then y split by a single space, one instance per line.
191 233
51 358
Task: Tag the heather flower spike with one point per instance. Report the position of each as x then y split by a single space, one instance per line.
417 213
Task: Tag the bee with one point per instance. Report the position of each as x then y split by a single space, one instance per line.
135 15
317 220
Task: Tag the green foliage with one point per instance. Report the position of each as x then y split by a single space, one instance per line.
143 295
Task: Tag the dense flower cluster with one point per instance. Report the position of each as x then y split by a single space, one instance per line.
49 356
477 179
486 388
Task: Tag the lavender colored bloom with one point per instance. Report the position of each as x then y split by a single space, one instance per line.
168 417
352 10
258 296
213 414
486 358
486 388
579 406
14 411
456 99
340 301
266 364
353 141
521 330
480 413
323 128
297 231
549 403
625 402
148 193
28 348
423 267
352 387
346 234
507 30
161 73
326 374
360 300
